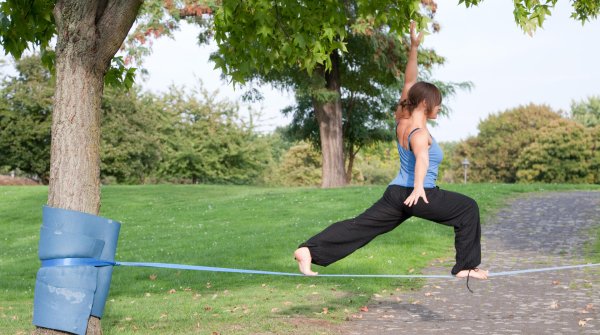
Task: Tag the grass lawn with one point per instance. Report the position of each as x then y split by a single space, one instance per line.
237 227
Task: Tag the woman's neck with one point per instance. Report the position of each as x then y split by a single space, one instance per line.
419 118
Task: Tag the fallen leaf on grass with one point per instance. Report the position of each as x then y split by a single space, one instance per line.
172 291
325 310
208 285
274 310
152 277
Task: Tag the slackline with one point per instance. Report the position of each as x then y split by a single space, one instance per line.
101 263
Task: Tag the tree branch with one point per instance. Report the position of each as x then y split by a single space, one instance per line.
113 24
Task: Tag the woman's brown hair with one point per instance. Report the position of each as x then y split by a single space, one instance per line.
422 91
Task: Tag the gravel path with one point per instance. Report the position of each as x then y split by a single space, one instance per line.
533 231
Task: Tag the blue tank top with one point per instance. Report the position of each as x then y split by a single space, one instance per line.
406 175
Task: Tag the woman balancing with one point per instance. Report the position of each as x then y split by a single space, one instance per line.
412 193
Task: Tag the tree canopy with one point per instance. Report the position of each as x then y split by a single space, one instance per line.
586 112
529 143
179 136
501 138
560 153
25 118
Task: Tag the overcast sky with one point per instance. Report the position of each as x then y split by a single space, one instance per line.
481 44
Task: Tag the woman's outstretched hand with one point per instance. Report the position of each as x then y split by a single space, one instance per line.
415 39
413 198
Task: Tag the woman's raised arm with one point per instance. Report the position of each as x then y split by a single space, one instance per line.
411 73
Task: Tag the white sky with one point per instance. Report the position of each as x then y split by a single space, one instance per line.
481 44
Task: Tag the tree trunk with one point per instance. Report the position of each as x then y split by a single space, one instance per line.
89 35
351 155
75 150
329 116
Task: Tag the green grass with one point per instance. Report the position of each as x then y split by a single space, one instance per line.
237 227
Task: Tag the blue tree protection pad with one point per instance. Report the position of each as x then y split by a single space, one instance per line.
65 296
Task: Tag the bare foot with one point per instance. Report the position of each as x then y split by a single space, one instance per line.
303 258
473 273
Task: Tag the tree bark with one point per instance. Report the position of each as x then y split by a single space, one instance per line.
329 117
89 35
351 156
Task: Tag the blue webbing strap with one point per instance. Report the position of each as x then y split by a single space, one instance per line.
554 268
101 263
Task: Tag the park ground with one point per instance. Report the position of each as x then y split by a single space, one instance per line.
250 228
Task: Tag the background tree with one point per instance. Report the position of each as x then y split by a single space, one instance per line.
25 118
451 164
493 152
299 166
586 112
306 45
132 146
378 162
595 161
210 143
560 153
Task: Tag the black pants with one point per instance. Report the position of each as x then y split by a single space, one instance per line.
448 208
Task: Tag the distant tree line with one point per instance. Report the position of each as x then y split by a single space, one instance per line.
192 137
178 136
532 143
